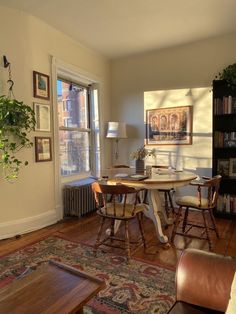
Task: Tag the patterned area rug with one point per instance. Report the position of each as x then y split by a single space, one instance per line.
137 287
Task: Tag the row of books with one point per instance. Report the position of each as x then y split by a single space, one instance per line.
225 139
227 105
226 203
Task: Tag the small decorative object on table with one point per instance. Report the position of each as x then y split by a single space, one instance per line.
139 155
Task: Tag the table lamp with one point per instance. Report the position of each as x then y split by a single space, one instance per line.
116 130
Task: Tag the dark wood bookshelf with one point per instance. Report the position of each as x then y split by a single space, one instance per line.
224 146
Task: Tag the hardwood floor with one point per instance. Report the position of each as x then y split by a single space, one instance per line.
85 230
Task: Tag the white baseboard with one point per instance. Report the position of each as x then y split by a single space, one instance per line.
12 228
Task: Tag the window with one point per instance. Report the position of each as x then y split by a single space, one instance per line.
74 127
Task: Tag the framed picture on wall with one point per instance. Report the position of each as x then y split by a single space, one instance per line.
41 85
43 117
169 126
232 167
43 149
223 167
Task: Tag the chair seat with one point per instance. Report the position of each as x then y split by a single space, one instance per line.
120 209
192 201
205 206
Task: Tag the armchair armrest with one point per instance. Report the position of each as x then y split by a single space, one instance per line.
205 279
201 182
206 178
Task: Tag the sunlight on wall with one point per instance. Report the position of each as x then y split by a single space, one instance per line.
198 155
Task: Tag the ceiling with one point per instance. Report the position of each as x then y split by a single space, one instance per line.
117 28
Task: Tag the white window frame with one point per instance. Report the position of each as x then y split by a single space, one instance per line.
77 129
77 75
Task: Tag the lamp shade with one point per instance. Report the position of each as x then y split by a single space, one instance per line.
116 130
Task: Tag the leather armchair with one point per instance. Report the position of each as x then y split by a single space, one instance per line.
203 282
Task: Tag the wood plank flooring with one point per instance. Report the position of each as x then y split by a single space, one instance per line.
85 230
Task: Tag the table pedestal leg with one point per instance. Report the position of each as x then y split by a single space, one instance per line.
152 213
116 227
158 206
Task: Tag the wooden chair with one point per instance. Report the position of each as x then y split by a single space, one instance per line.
201 204
110 208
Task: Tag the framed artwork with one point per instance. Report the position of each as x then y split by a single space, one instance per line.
232 167
43 149
169 126
43 117
41 85
223 167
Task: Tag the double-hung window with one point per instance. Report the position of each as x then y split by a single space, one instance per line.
74 127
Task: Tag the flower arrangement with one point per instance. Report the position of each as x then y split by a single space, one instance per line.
142 152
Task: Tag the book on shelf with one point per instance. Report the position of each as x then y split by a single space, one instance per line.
226 203
225 139
225 105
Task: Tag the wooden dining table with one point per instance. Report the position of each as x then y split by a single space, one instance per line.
159 179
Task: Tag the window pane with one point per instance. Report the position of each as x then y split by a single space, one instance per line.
74 152
72 105
96 131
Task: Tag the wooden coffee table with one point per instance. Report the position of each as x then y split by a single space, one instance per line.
52 288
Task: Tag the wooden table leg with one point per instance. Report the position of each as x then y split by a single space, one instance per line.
152 213
116 227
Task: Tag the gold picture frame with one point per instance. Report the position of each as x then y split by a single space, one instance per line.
169 126
43 149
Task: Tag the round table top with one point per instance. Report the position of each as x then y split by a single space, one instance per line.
173 176
156 180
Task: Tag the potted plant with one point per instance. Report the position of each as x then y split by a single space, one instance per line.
229 75
139 155
16 121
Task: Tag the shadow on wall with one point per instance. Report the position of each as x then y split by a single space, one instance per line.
132 131
193 156
181 160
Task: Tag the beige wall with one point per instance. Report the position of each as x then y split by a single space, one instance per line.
29 44
190 66
185 156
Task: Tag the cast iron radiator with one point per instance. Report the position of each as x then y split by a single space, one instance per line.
78 199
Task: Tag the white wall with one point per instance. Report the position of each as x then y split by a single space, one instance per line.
185 156
194 65
29 44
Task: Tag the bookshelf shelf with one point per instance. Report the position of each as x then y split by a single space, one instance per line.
224 146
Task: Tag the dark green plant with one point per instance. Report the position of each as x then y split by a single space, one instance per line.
229 75
16 121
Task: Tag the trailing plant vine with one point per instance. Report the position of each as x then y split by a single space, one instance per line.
16 121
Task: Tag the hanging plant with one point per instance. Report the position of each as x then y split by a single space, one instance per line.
229 75
16 120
